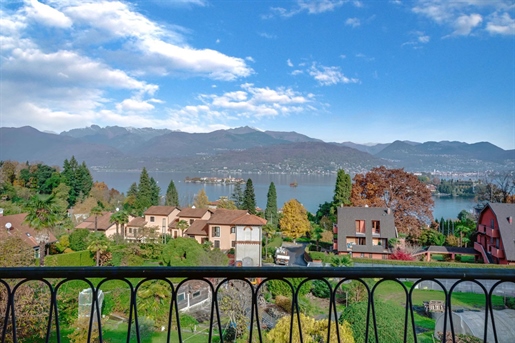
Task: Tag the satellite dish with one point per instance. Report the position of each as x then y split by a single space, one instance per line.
8 226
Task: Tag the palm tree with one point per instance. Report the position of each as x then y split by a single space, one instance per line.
268 230
98 245
182 225
96 211
42 215
119 218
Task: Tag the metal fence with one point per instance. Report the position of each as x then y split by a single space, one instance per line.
238 304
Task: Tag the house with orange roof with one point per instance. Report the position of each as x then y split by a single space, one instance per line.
14 226
162 219
100 223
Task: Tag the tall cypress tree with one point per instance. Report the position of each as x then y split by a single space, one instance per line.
144 198
271 205
342 190
172 197
78 178
249 198
237 196
155 190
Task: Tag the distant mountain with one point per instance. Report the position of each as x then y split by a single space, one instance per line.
242 149
29 144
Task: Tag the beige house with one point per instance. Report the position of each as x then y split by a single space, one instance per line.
162 219
103 224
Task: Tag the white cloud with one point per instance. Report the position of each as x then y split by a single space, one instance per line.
501 24
47 15
327 76
354 22
289 63
465 16
465 23
131 105
309 6
418 38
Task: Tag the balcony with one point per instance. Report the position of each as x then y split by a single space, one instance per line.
481 228
494 233
209 288
499 253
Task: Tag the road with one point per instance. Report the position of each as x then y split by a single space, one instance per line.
296 252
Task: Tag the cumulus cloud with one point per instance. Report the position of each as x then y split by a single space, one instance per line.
47 15
416 39
327 76
467 16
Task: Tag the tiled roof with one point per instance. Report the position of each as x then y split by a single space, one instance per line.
250 219
503 212
103 222
197 228
137 222
21 230
192 212
160 210
225 217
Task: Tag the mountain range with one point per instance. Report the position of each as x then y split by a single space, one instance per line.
241 149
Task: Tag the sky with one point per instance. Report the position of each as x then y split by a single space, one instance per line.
365 71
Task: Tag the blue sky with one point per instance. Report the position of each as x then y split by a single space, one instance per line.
361 71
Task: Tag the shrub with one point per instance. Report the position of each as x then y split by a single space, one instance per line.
145 326
279 287
78 239
401 255
320 289
283 302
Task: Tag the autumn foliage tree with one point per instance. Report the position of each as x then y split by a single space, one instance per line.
294 222
402 192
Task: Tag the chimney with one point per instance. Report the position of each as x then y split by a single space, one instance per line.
510 219
388 211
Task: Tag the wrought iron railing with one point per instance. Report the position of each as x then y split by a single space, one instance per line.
245 303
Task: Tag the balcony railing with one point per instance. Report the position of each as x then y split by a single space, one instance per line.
496 252
494 233
481 228
239 299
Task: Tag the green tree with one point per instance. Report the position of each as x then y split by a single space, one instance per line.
79 239
155 192
96 211
226 203
342 189
78 178
182 225
341 261
237 195
172 196
98 244
42 216
145 192
182 251
271 205
294 222
201 200
316 234
15 253
249 198
268 230
120 218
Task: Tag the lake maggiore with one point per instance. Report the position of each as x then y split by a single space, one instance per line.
311 190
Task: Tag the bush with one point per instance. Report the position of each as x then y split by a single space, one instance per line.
78 239
401 255
145 326
320 289
284 303
280 287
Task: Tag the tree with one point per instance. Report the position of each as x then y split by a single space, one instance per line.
294 223
98 244
79 239
96 211
145 191
341 261
316 234
237 195
402 192
78 178
155 191
182 251
15 253
201 200
342 189
120 218
249 198
268 231
42 216
312 330
271 205
182 225
431 237
172 196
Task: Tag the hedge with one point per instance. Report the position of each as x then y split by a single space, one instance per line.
73 259
429 264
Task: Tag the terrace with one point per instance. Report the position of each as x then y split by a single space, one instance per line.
230 296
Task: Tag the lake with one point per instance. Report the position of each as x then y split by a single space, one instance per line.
311 190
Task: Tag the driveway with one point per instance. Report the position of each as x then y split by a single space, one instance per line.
296 251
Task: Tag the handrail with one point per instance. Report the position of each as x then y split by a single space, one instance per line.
217 280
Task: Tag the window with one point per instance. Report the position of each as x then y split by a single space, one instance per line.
216 231
233 244
196 294
233 229
181 297
152 219
204 240
191 221
361 241
130 230
376 227
163 223
360 226
492 222
217 244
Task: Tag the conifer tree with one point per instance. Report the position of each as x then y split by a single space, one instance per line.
342 189
271 205
78 178
237 195
155 190
249 198
172 197
144 198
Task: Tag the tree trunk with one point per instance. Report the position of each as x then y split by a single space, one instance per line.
98 257
116 229
123 232
95 223
42 247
